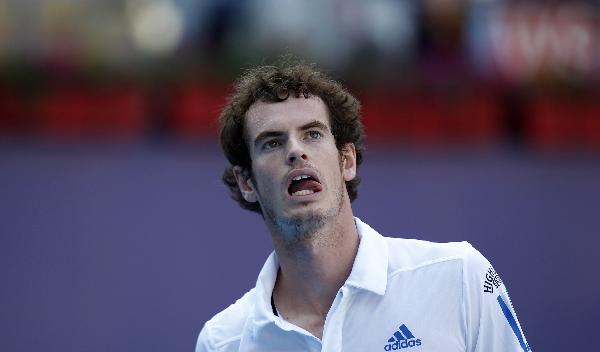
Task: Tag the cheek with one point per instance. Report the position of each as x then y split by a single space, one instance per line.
264 180
334 169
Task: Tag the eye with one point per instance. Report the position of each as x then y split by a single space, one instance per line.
270 144
314 134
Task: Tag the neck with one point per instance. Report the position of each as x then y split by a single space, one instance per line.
312 270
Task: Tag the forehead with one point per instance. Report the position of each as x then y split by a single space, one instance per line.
286 115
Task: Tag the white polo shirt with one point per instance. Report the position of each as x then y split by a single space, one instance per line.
401 294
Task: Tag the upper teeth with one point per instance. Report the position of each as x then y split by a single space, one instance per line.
298 178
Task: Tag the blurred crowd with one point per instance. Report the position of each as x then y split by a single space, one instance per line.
429 73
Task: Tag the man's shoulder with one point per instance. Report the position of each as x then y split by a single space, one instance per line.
460 258
405 254
226 327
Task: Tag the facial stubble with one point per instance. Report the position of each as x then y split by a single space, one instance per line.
299 229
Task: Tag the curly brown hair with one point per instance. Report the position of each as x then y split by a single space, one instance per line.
275 84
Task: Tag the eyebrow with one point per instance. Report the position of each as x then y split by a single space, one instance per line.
269 134
314 124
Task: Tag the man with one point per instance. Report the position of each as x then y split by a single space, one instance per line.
294 141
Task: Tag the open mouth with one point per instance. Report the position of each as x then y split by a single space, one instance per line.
303 185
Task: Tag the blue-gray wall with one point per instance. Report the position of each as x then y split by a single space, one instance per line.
133 248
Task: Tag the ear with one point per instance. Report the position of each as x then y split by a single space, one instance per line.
242 176
348 155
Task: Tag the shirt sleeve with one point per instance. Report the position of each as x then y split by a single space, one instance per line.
203 345
492 325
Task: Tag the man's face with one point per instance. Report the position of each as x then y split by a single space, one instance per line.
298 173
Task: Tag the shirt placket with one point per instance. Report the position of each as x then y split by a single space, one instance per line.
334 322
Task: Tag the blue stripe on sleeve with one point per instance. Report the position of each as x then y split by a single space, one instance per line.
513 324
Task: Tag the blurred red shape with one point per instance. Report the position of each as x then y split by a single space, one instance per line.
115 112
559 122
590 131
433 120
194 109
13 118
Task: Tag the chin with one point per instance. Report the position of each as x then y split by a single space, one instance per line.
310 212
300 224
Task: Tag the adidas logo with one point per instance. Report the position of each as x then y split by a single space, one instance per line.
402 338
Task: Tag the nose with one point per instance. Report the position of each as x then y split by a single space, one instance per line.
295 153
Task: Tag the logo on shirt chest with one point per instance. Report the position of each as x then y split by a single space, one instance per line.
402 338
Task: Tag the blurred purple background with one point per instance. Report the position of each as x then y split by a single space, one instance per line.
116 234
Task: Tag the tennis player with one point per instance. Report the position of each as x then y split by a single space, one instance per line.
294 140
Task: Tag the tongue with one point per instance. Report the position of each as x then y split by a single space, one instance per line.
303 185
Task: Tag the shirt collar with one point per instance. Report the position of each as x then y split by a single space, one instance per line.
369 271
264 289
